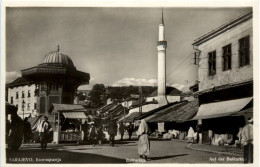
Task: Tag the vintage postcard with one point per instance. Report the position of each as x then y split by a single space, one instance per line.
137 83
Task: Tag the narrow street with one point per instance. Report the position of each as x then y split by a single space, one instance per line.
123 152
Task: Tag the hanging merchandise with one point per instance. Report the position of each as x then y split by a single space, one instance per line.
161 127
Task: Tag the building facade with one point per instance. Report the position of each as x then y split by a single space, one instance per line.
22 94
225 83
54 81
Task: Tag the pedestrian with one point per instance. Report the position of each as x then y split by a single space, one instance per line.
130 130
44 130
198 130
100 135
15 134
85 128
190 135
92 135
238 142
143 143
210 134
27 131
121 130
112 131
247 139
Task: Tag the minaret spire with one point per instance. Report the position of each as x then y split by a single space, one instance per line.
162 18
161 46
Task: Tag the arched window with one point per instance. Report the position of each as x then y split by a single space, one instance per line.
28 107
12 100
22 94
17 95
23 105
29 93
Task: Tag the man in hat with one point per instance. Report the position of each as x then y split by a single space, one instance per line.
247 140
44 129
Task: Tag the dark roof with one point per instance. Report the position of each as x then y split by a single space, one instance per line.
137 103
170 91
106 107
144 115
114 111
130 117
223 28
19 82
226 86
45 70
66 107
181 112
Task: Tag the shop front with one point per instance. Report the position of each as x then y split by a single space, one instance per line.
221 122
67 121
68 126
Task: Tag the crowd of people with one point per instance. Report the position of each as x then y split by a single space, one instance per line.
19 131
96 134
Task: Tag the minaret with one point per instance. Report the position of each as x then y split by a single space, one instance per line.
161 46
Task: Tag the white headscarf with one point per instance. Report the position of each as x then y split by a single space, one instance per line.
191 132
143 128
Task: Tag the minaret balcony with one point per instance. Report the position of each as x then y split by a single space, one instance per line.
162 43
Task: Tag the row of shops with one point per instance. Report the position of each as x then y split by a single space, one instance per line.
213 122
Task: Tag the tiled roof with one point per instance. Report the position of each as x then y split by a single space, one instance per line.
129 118
106 107
144 115
137 103
66 107
19 82
181 112
226 86
114 111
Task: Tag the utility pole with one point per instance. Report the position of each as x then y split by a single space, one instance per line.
141 97
124 108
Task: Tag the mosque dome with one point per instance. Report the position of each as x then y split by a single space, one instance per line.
58 58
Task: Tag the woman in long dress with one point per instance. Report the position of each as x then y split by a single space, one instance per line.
190 135
144 143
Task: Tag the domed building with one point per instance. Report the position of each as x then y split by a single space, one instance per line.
54 81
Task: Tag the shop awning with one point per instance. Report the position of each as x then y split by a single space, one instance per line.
222 109
74 115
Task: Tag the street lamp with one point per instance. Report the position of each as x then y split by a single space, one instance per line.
23 108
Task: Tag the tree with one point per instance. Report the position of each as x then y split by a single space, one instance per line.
97 94
81 96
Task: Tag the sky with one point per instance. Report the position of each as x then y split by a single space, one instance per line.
116 46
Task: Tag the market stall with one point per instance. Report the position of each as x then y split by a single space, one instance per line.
68 120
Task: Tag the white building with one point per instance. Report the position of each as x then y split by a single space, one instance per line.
225 77
23 95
